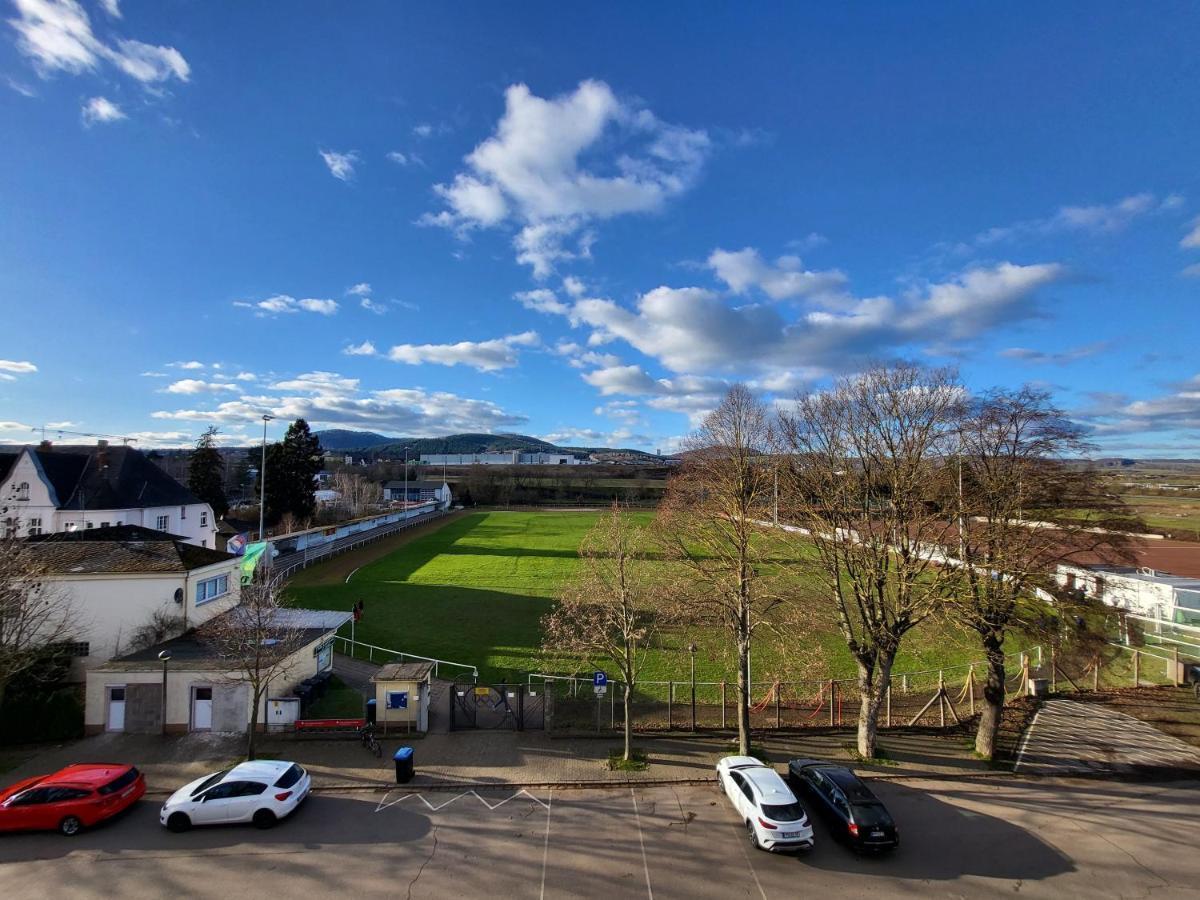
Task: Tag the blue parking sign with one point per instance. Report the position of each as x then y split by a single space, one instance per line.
600 679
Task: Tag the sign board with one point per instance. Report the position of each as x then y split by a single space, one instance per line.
600 689
397 699
483 692
600 679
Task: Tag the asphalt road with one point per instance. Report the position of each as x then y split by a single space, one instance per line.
989 837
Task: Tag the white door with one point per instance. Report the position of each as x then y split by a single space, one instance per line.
202 709
116 708
423 708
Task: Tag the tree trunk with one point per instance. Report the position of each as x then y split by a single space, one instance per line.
993 698
628 721
743 694
252 732
872 690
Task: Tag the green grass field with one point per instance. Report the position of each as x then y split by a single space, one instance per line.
474 591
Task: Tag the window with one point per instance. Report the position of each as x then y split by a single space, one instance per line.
162 523
10 528
120 782
203 518
397 699
35 526
87 525
103 524
23 490
65 794
35 797
783 812
223 791
209 782
70 526
183 512
71 648
250 789
211 588
290 777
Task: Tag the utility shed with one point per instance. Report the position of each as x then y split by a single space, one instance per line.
402 695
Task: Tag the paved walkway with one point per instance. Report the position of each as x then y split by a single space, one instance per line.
1067 737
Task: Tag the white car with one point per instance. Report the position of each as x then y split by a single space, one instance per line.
263 792
773 816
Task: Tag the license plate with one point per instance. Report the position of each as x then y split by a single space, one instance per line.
876 834
793 834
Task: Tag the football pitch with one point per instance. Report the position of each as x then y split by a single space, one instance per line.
474 591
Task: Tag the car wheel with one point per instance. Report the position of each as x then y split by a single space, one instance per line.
753 835
178 822
264 818
70 826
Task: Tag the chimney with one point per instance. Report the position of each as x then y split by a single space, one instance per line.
101 454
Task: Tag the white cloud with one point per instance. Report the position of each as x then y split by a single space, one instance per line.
537 169
398 158
57 36
191 364
20 87
1191 240
101 109
17 367
341 165
787 278
1192 271
580 357
373 306
366 348
1098 218
246 376
154 375
362 289
1058 358
543 301
112 7
486 356
196 386
692 329
574 286
283 303
1116 414
591 437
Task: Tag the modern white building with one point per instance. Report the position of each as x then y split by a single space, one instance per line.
48 489
501 458
418 491
1140 591
119 580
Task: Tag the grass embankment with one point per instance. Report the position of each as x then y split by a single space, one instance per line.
474 591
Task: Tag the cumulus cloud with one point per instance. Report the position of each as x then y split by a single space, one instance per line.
285 304
340 165
691 395
1177 410
693 329
17 367
591 437
581 357
1191 240
537 170
1058 358
362 289
112 7
101 109
366 348
328 399
57 36
542 300
485 356
196 386
787 278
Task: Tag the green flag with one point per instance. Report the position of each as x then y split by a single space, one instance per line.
250 558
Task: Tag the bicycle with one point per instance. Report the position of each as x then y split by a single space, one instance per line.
366 735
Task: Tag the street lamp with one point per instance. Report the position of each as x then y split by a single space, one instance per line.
164 657
692 651
262 478
406 483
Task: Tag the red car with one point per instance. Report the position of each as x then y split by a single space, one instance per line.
73 798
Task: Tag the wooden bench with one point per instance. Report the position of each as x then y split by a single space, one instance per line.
330 727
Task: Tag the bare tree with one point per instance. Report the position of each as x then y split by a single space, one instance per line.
256 640
711 520
35 614
357 494
1021 508
865 460
611 611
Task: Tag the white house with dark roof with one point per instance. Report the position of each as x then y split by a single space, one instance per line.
118 579
48 489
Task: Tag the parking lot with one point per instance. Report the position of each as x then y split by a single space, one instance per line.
992 836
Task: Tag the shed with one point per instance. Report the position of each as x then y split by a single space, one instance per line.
402 695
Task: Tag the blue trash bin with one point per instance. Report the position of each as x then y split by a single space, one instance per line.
404 765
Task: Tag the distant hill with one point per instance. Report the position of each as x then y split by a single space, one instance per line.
343 439
393 447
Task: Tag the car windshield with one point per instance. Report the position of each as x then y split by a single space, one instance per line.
871 814
290 777
209 782
783 812
120 782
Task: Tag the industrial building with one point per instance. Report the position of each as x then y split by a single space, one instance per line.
502 458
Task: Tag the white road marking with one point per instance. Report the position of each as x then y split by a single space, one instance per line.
385 803
546 844
351 575
1025 740
741 842
641 840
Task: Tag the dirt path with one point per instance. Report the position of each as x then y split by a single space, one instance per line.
336 570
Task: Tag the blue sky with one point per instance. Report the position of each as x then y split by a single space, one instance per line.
583 223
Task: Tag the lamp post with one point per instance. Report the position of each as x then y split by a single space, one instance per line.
406 484
692 651
164 657
262 479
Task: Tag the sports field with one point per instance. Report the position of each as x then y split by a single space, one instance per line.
474 591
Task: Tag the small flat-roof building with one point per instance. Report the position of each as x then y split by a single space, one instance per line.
1140 591
402 696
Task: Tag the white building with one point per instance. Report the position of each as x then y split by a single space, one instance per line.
501 458
417 491
47 489
1140 591
118 579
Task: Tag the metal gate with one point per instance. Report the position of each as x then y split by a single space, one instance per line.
516 707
